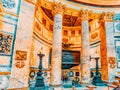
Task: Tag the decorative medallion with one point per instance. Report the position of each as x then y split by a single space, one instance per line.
5 43
8 3
94 35
21 55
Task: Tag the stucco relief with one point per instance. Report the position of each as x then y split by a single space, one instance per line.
58 7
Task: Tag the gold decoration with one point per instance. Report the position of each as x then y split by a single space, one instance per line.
58 8
21 55
107 16
112 60
112 66
20 64
84 14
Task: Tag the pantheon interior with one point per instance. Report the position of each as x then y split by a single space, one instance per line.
59 44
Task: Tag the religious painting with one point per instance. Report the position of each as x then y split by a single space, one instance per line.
21 55
5 43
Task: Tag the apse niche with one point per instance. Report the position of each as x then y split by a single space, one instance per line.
70 59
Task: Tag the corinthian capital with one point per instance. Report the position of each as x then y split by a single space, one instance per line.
107 16
84 14
58 8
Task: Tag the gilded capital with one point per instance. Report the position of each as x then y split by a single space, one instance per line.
84 14
107 16
58 8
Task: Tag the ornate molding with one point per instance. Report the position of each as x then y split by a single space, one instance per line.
84 14
58 8
107 16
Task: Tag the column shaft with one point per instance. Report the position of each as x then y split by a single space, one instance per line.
111 56
56 51
85 53
58 10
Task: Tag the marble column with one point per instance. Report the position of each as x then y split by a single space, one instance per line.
21 59
85 47
110 45
58 10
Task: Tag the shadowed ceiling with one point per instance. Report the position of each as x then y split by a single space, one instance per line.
67 19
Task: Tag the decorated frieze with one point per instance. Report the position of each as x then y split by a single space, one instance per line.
84 14
107 16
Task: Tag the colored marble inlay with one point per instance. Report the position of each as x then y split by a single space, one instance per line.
5 43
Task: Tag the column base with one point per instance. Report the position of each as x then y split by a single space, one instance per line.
59 85
97 81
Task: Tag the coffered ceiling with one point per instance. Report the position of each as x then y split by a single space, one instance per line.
68 20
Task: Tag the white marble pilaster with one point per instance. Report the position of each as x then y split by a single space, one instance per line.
20 75
111 56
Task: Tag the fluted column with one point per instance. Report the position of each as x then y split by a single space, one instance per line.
58 10
109 62
85 47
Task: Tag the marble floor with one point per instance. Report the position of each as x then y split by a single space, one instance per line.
79 88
